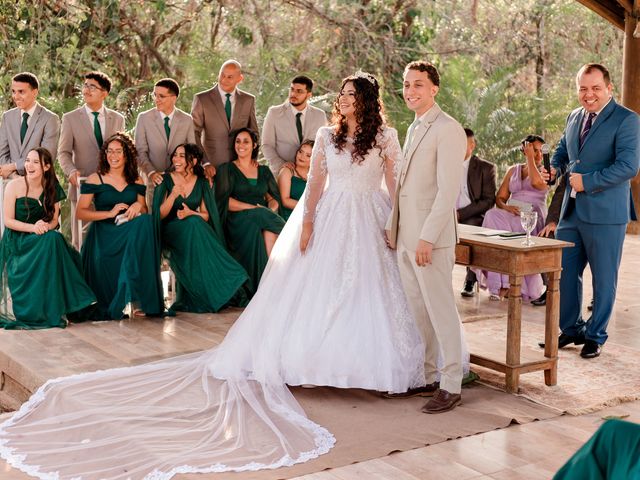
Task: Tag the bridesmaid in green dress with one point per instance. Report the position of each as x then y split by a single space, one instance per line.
207 277
249 202
121 254
41 270
292 182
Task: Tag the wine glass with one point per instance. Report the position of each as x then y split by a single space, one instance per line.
528 220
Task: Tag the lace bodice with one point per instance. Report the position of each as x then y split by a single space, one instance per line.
327 162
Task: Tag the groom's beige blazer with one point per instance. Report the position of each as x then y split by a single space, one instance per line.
424 208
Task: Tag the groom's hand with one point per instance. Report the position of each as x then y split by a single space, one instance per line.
423 253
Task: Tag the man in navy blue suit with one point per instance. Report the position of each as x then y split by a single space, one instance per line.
599 153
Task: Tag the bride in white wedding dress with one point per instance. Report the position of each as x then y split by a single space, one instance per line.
344 322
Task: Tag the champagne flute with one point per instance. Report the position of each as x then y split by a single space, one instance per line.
528 220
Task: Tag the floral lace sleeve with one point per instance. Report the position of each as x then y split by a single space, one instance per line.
392 155
317 176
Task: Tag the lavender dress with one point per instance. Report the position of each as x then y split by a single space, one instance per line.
498 219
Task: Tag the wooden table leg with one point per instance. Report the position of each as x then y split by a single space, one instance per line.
514 319
551 326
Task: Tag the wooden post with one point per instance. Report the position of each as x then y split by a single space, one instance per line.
631 88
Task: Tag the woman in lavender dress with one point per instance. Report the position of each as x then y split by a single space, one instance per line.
522 187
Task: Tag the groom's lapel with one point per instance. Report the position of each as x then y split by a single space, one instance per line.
420 131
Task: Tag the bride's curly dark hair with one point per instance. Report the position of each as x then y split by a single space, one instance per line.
369 113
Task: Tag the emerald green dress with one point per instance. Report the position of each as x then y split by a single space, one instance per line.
243 229
207 277
122 262
43 273
298 185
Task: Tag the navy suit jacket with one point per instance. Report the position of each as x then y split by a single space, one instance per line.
608 160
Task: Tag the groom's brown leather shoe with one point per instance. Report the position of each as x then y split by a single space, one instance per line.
442 401
424 391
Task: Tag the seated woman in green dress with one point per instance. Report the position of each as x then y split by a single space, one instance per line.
121 254
41 270
207 277
249 202
292 182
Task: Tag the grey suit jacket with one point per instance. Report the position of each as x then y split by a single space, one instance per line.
280 137
154 149
212 129
78 148
44 127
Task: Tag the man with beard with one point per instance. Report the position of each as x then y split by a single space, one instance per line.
287 125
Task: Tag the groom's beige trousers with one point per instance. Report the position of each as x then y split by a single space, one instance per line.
430 296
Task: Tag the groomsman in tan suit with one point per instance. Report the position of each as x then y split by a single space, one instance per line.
82 134
287 125
219 111
422 227
25 127
159 131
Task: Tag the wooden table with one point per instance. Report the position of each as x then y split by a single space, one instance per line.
512 258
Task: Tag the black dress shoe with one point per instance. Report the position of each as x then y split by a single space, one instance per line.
590 306
564 340
469 289
424 391
540 301
591 349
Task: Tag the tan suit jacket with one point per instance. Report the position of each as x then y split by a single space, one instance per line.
154 149
212 129
428 184
78 148
280 140
43 130
424 208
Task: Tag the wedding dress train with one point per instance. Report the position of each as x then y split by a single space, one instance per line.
334 316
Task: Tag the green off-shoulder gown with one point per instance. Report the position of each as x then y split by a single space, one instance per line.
243 229
122 262
43 273
207 276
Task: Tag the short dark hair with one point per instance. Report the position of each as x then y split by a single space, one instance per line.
590 67
424 66
254 139
304 80
532 138
469 132
27 77
170 84
102 78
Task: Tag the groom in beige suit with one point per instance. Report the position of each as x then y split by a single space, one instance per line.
422 227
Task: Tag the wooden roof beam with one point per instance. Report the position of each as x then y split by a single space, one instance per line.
610 10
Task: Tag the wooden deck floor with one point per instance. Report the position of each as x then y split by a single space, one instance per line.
532 451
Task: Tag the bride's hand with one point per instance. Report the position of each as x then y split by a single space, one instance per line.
305 236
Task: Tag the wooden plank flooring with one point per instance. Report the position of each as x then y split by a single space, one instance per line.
527 452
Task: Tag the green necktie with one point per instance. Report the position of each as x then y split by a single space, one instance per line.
96 129
227 107
167 129
24 126
299 125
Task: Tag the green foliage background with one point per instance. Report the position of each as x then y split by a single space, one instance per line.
507 67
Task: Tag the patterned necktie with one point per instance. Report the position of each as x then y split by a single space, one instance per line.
227 107
299 125
96 129
587 127
167 128
24 126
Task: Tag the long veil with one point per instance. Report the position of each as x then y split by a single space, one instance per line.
203 412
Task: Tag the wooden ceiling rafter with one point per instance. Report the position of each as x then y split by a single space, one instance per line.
611 10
